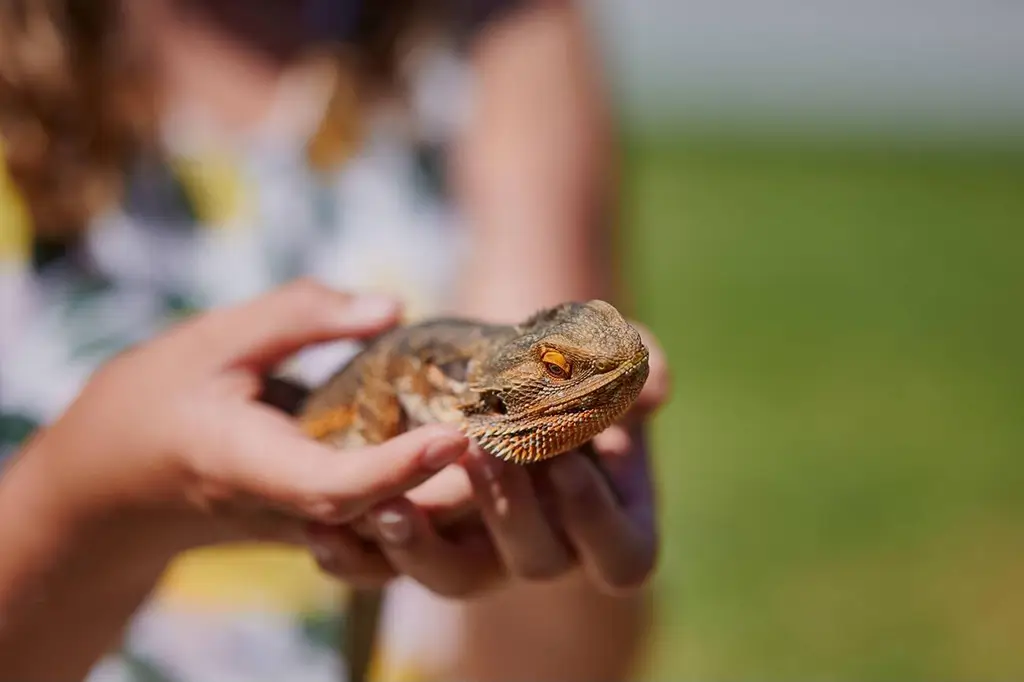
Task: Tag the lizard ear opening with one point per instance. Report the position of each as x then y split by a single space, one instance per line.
494 403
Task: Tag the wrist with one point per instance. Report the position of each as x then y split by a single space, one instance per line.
70 577
48 483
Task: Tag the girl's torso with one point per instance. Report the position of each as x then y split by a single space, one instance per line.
212 227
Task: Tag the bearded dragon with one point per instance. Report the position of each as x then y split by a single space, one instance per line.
525 393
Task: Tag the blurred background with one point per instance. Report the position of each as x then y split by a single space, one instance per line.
826 202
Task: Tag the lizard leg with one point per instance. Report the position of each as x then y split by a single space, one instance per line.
331 422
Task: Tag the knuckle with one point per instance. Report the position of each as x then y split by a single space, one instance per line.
319 508
212 497
205 481
336 555
310 494
238 383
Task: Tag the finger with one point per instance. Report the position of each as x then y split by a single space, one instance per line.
659 381
613 442
616 548
265 457
446 498
339 552
512 512
626 465
658 387
271 327
446 567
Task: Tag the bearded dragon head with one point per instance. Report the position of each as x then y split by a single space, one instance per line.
566 375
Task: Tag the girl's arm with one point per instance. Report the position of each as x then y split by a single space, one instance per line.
535 182
68 582
167 448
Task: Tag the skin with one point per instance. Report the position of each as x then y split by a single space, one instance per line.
115 488
532 182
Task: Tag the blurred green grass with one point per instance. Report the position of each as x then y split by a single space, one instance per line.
842 464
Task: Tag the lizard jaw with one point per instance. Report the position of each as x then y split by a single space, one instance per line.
534 437
544 438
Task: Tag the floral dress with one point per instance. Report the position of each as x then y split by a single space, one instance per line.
211 227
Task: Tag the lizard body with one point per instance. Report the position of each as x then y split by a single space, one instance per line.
524 393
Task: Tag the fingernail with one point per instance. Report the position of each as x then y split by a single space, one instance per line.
321 552
491 468
481 463
318 541
371 309
444 450
394 527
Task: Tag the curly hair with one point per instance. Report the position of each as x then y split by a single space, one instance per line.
76 108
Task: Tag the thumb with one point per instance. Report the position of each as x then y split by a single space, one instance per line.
267 329
270 459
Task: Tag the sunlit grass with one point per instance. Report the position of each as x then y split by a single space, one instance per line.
842 465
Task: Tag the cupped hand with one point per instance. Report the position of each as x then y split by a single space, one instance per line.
173 429
592 514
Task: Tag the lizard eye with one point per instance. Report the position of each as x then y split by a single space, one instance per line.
556 364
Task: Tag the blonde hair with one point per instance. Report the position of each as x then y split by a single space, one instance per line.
75 109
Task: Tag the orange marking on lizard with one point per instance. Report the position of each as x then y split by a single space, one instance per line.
328 422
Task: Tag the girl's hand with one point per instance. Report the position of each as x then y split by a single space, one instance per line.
539 522
172 432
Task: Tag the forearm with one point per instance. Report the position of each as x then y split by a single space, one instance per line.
558 632
68 583
536 186
534 169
